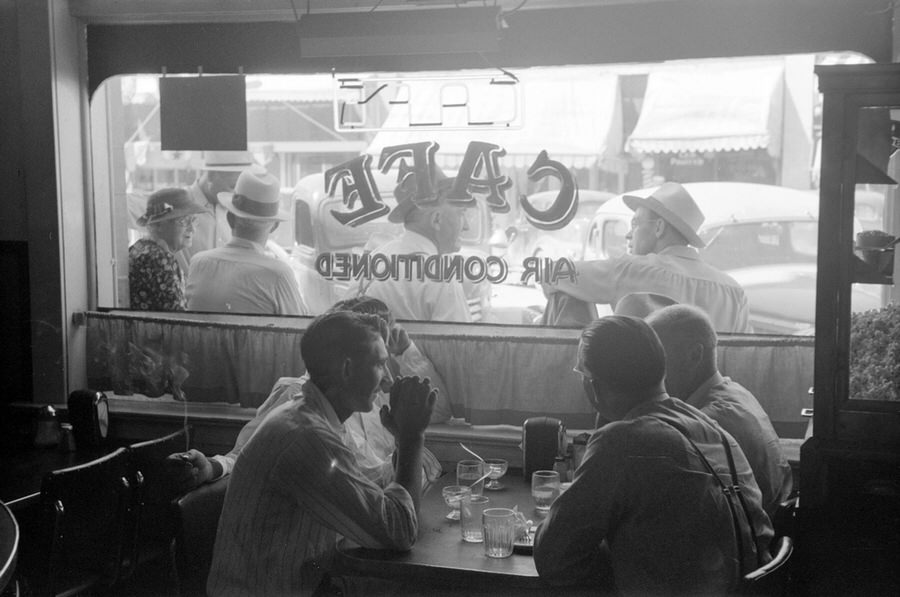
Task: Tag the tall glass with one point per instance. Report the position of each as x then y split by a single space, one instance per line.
544 489
470 471
499 532
471 508
453 495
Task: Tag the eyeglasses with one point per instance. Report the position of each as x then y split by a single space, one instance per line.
635 222
186 221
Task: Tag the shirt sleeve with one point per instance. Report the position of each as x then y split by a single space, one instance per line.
595 281
287 295
570 544
446 302
320 471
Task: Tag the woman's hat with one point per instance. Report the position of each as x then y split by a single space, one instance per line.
168 204
674 204
229 161
255 197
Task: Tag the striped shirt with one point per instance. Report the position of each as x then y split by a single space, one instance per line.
296 488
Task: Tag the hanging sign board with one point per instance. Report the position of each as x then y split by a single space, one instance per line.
203 113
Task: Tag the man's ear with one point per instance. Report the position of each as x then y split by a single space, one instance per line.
695 352
274 226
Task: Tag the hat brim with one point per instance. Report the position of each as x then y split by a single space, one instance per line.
634 202
172 215
227 201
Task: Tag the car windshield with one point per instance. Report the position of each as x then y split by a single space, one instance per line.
760 243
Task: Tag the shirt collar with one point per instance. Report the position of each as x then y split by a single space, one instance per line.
419 243
243 243
682 251
317 400
698 394
644 406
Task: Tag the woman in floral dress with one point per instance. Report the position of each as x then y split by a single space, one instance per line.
155 280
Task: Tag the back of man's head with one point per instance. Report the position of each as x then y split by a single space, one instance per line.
335 336
684 325
624 353
365 304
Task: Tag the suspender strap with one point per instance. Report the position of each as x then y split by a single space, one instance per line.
728 490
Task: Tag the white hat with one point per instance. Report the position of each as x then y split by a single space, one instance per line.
674 204
255 197
229 161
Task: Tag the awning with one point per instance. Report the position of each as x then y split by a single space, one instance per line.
711 107
574 113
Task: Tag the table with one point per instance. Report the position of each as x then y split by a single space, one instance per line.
441 557
9 545
23 470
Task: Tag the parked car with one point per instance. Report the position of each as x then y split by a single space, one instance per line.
530 241
316 232
764 236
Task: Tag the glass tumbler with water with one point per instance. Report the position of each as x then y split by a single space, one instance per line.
471 508
544 489
470 471
499 532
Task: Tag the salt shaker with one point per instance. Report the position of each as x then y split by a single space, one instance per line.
66 438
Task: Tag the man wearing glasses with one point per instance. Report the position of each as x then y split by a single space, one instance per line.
662 259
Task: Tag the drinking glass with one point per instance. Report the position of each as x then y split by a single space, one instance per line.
544 489
453 494
497 468
470 510
499 526
468 472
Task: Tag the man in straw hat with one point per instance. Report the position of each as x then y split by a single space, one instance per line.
218 174
242 276
434 219
664 502
663 259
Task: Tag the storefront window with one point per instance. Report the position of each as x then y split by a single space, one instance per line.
740 135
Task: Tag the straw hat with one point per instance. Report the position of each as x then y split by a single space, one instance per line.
674 204
168 204
255 197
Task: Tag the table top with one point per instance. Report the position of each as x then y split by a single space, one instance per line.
23 470
440 554
9 545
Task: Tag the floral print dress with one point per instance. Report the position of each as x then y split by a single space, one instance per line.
155 280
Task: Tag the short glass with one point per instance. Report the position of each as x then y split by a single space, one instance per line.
453 494
544 489
497 468
471 508
499 525
470 471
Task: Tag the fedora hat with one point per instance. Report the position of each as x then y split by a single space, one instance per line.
229 161
410 194
674 204
255 197
168 204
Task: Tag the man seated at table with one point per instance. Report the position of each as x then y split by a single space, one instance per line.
692 374
372 444
644 513
296 486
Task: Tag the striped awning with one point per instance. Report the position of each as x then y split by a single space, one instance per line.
711 107
574 113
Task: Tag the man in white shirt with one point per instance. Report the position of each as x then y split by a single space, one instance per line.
433 222
692 374
243 276
662 259
296 487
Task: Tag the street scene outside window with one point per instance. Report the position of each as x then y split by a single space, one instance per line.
538 165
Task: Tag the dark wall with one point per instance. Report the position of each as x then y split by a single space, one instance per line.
12 200
619 33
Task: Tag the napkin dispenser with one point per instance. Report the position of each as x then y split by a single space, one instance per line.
543 439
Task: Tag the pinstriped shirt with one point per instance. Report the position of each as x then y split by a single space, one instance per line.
296 488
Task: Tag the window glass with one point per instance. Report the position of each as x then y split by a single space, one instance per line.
719 127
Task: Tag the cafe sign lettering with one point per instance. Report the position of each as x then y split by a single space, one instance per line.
479 176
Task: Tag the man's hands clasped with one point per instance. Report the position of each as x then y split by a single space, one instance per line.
411 403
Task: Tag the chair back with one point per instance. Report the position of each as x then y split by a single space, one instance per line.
156 486
196 515
771 580
82 520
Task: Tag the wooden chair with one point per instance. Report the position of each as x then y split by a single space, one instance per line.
156 484
196 515
82 519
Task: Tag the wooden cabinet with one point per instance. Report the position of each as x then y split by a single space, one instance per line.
850 467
